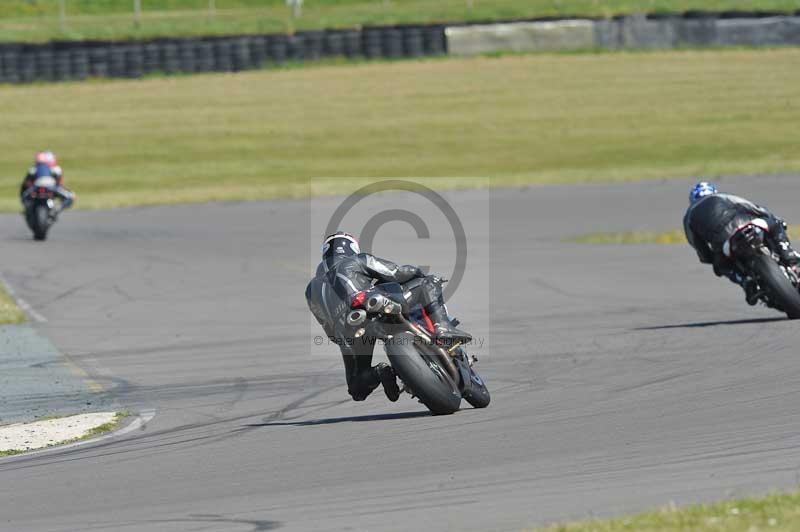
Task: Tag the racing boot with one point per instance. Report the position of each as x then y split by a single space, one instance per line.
445 332
388 379
783 247
751 293
748 284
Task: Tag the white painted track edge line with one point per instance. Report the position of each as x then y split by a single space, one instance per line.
24 305
141 420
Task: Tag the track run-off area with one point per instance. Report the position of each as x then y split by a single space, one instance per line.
623 376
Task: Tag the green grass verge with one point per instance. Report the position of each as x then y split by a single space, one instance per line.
105 427
675 236
777 512
34 20
12 452
516 120
119 417
10 313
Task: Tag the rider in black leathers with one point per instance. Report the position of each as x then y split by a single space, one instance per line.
712 218
343 272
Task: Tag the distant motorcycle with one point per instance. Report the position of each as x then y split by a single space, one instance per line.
778 283
438 375
42 206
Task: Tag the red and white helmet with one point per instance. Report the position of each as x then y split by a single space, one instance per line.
46 157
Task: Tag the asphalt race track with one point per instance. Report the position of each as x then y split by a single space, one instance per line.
622 376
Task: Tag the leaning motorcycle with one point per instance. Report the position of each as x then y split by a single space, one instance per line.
41 206
778 284
440 376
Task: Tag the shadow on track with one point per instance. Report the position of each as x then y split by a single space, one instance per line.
333 420
710 324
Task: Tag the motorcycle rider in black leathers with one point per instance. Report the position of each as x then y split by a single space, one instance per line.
713 218
345 271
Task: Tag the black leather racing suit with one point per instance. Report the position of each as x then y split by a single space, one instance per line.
329 294
713 219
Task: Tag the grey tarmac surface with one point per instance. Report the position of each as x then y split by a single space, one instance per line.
36 380
622 376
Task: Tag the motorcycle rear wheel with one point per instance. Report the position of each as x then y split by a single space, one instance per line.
41 222
422 375
780 288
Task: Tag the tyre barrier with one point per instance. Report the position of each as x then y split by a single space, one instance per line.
372 43
151 59
258 51
62 65
98 63
240 54
392 43
296 44
278 48
434 40
68 60
186 62
223 59
170 58
117 67
9 72
334 44
134 61
80 64
352 44
313 45
413 43
27 67
45 70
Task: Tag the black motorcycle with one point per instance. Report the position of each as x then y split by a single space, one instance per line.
778 284
42 205
437 374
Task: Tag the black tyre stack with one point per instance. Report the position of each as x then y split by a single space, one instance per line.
392 43
413 42
117 67
60 61
240 54
434 40
45 69
98 62
297 44
372 43
204 57
333 45
170 57
352 44
9 56
151 58
62 65
278 48
259 50
27 65
313 45
134 61
186 60
80 63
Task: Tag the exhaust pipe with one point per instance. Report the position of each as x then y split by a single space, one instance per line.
376 303
356 317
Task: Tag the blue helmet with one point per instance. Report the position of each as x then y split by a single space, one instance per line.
701 190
